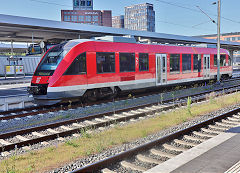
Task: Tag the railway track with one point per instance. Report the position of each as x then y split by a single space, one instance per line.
29 136
28 112
145 157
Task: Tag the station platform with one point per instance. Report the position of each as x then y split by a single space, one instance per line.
13 80
220 154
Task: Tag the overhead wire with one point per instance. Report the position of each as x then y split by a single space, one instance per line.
50 3
191 9
162 21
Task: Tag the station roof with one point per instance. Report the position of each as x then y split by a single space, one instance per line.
17 48
22 29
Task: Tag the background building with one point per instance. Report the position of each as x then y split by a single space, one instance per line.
94 17
118 21
83 13
82 4
140 17
233 36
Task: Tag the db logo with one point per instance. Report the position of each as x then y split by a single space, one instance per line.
137 61
38 79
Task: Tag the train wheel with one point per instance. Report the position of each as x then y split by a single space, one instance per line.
91 95
114 93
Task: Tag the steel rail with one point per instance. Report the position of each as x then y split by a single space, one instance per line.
58 124
76 130
119 157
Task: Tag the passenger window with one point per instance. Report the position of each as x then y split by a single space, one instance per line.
78 66
127 62
105 62
197 62
186 62
222 60
215 60
174 63
143 62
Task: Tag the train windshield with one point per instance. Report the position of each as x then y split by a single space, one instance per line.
54 56
51 60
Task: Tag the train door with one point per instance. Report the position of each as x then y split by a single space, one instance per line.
206 66
161 69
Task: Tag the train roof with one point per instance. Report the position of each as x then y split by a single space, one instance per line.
117 39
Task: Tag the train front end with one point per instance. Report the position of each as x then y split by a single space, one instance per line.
42 75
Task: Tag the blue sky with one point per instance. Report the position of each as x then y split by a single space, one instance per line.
172 16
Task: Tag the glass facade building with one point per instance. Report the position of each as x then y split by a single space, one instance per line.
140 17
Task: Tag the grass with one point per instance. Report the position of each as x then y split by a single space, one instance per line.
56 156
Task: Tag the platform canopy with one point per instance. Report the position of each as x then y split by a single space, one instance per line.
24 29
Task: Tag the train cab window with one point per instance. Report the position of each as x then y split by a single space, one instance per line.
197 62
127 62
222 60
186 62
78 66
174 63
51 60
105 62
143 62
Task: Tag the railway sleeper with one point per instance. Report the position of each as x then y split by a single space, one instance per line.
90 122
194 138
162 154
174 148
151 109
106 170
5 153
100 120
225 125
234 119
210 131
145 110
131 166
236 116
128 114
203 135
231 122
137 112
21 138
147 159
110 117
78 125
217 128
52 131
66 128
185 143
4 142
38 134
119 115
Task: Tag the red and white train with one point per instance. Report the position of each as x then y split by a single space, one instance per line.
93 69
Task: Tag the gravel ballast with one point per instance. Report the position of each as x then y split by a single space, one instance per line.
113 151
